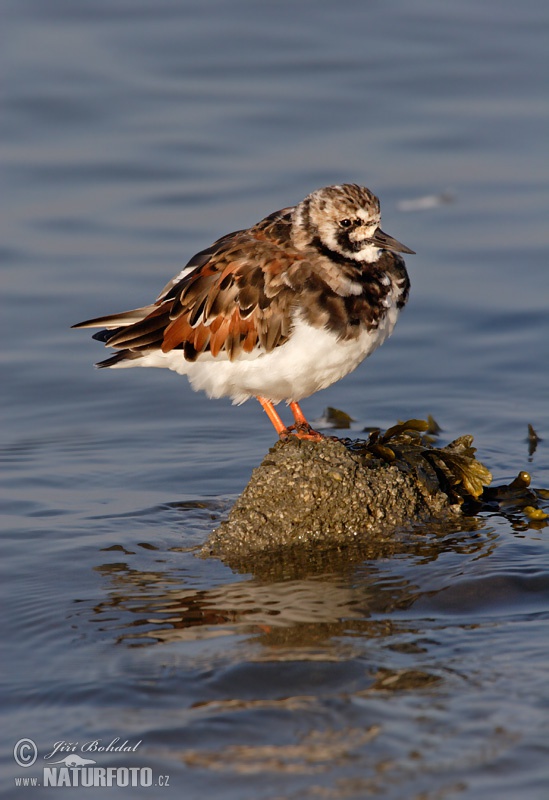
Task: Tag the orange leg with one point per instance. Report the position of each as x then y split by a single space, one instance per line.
272 413
299 416
302 428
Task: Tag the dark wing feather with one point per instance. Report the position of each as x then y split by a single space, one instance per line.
236 301
232 297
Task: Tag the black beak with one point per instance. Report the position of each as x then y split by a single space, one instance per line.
386 242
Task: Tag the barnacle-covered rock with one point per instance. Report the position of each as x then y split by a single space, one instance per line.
336 492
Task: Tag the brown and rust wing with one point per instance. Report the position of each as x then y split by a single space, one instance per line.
239 297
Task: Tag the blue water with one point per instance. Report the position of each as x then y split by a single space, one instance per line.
132 135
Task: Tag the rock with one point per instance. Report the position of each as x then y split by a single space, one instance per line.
333 493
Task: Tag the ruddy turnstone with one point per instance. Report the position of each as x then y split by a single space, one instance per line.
277 311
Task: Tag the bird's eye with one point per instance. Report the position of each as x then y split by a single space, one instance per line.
345 223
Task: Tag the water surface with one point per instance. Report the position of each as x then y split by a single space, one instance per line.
132 135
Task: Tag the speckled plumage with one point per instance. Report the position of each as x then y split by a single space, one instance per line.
279 310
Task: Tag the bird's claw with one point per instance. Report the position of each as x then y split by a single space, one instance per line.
302 431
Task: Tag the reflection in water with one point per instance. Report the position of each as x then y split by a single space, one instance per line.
339 687
336 594
316 752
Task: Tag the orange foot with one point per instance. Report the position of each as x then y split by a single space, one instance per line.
301 429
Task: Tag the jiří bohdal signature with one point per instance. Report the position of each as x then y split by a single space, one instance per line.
72 759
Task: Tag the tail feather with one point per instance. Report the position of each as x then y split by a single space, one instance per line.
105 334
117 320
118 358
130 330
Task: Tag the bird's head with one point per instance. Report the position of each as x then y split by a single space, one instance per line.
343 220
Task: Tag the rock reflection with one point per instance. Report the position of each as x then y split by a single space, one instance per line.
296 606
